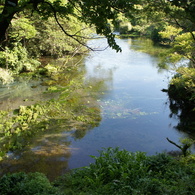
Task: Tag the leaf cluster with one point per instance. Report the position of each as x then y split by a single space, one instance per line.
16 59
98 13
182 88
122 172
113 172
26 184
181 93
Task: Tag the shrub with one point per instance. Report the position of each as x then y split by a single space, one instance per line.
16 59
114 172
26 184
181 93
122 172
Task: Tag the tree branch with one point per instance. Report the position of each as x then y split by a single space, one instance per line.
192 34
174 143
65 32
183 149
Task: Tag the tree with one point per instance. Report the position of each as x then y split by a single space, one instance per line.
171 23
98 13
9 9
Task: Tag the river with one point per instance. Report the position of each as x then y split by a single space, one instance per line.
134 113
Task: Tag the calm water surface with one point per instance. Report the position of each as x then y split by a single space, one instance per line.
134 109
134 112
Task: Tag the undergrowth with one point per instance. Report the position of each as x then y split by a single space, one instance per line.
116 172
121 172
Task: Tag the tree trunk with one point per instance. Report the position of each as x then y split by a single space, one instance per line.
10 8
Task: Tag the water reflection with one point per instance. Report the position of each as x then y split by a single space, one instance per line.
115 100
134 109
180 110
185 115
69 110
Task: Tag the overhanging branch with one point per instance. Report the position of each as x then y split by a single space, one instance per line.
183 149
65 32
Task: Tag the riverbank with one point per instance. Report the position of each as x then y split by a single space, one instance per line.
113 172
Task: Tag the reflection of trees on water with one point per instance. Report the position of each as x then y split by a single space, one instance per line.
52 163
186 118
48 153
70 115
184 111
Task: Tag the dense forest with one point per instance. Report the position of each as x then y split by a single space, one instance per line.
31 30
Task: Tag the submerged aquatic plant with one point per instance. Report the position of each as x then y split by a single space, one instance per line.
71 105
115 109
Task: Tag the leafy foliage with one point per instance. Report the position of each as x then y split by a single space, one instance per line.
26 184
121 172
169 23
182 45
39 28
185 79
30 39
22 29
16 59
181 92
51 41
101 14
113 172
